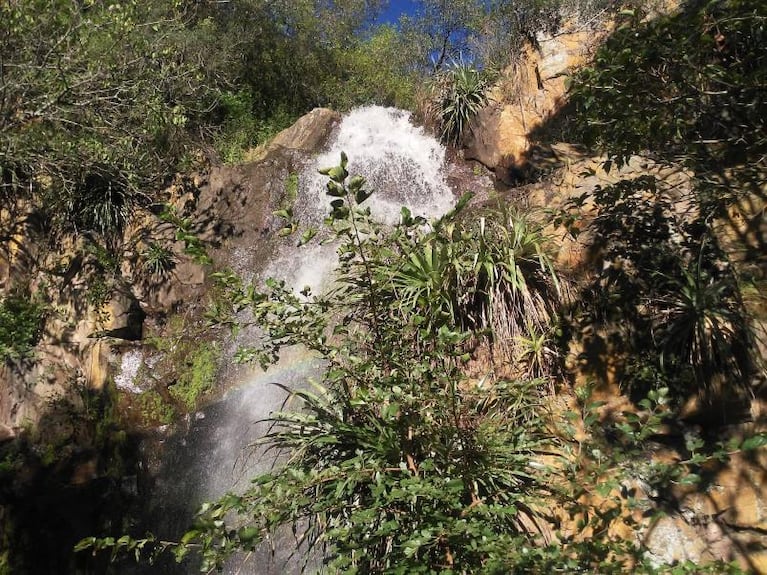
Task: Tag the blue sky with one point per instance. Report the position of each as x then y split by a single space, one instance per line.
395 9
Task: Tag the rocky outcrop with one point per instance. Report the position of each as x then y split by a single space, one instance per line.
228 208
309 133
532 90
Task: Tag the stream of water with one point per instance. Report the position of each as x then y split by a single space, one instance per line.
404 166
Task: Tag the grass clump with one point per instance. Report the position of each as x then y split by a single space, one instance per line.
158 260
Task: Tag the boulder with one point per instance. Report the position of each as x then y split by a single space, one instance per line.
309 133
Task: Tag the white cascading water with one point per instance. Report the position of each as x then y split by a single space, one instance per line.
404 167
402 164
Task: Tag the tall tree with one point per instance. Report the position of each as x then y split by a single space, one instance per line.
441 30
94 99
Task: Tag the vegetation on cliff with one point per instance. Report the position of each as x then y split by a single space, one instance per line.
688 90
400 462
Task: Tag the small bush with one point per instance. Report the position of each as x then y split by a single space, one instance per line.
197 375
21 321
703 326
242 129
102 203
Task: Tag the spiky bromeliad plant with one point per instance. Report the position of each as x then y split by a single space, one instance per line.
703 328
491 275
460 92
158 260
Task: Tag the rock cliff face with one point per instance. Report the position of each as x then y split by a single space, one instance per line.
531 91
57 414
228 208
725 518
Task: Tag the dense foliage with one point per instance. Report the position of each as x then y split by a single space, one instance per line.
671 292
21 322
398 461
94 103
102 102
701 73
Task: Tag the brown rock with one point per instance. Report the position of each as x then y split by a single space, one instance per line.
309 133
534 91
671 539
126 318
6 433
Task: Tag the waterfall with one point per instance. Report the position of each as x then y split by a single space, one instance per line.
403 166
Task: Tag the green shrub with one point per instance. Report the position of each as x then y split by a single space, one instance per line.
102 203
491 274
667 296
185 359
696 99
21 322
703 327
242 129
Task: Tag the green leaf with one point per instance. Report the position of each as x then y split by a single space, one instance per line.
189 536
338 174
335 190
83 544
307 236
340 213
690 479
356 183
754 442
248 534
361 195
